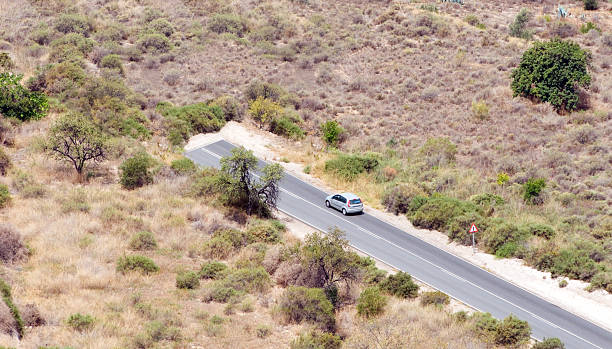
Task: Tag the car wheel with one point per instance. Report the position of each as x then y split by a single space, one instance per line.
344 211
327 203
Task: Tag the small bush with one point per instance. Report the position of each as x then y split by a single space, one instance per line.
397 199
585 28
161 26
300 304
143 241
184 121
487 199
518 28
5 196
188 280
18 102
350 166
12 248
220 293
574 263
541 230
400 285
331 133
591 5
136 171
603 280
502 236
264 90
438 152
563 283
286 127
183 166
264 110
213 270
549 343
502 178
532 190
434 298
81 322
31 316
5 163
371 302
263 331
73 23
268 231
480 110
438 212
512 331
248 280
232 109
155 43
228 23
317 340
7 298
112 62
135 262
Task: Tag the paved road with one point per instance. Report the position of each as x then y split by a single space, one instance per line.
452 275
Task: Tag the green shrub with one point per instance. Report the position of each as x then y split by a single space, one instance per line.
264 90
5 196
206 183
438 152
549 343
499 234
213 270
434 298
220 293
188 280
541 230
155 43
248 280
300 304
135 262
161 26
574 263
42 35
69 42
73 23
563 283
264 111
585 28
512 331
286 127
232 109
603 280
400 285
331 133
551 72
397 199
591 5
218 248
5 162
263 331
518 28
485 325
371 302
183 166
136 171
184 121
7 298
480 110
18 102
438 211
487 199
228 23
143 241
317 340
532 190
112 61
506 250
349 166
268 231
81 322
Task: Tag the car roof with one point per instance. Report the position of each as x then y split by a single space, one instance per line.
349 196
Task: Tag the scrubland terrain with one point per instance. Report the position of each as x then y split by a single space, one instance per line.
431 130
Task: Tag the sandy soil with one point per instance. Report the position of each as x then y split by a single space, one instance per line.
595 306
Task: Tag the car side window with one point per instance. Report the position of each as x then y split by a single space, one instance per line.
335 197
342 199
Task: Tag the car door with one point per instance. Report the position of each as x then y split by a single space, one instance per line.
341 202
334 201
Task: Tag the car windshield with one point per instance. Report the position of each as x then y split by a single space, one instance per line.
356 201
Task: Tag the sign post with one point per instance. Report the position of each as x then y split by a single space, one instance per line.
473 231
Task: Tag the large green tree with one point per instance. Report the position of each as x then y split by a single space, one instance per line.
74 138
553 71
243 187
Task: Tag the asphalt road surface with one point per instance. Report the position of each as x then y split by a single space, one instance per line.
450 274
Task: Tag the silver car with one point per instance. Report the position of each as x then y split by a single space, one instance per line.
345 202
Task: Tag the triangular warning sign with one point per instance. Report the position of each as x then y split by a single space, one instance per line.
473 228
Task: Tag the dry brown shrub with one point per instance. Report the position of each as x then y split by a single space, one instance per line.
12 248
272 259
7 321
31 316
389 173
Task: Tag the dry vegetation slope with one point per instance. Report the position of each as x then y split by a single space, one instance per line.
392 74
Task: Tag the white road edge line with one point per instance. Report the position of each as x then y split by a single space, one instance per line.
417 256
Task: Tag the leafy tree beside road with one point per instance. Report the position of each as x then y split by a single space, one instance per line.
243 188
